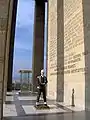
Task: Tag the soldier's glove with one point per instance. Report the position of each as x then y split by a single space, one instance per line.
38 87
43 83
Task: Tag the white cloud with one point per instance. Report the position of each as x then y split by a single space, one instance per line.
19 45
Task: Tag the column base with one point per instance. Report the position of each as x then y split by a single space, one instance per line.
9 88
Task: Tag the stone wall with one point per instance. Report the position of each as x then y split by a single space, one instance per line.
74 60
68 51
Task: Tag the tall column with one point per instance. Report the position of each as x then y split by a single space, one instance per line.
55 62
38 44
86 21
11 47
52 50
60 51
7 48
4 15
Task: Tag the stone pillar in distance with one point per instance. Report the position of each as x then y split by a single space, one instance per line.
38 43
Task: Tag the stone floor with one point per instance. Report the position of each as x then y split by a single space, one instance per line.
22 108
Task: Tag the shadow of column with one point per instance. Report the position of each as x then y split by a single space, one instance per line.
60 51
86 21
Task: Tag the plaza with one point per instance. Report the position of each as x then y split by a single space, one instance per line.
22 107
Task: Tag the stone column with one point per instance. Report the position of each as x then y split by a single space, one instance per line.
55 62
52 50
7 48
38 44
4 15
60 51
55 88
86 28
11 47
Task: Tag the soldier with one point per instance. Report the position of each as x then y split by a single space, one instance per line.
42 82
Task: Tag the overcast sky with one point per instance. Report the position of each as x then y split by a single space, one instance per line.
23 36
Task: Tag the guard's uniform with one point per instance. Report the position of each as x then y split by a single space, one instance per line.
42 81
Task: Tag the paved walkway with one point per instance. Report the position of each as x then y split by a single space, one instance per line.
19 107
